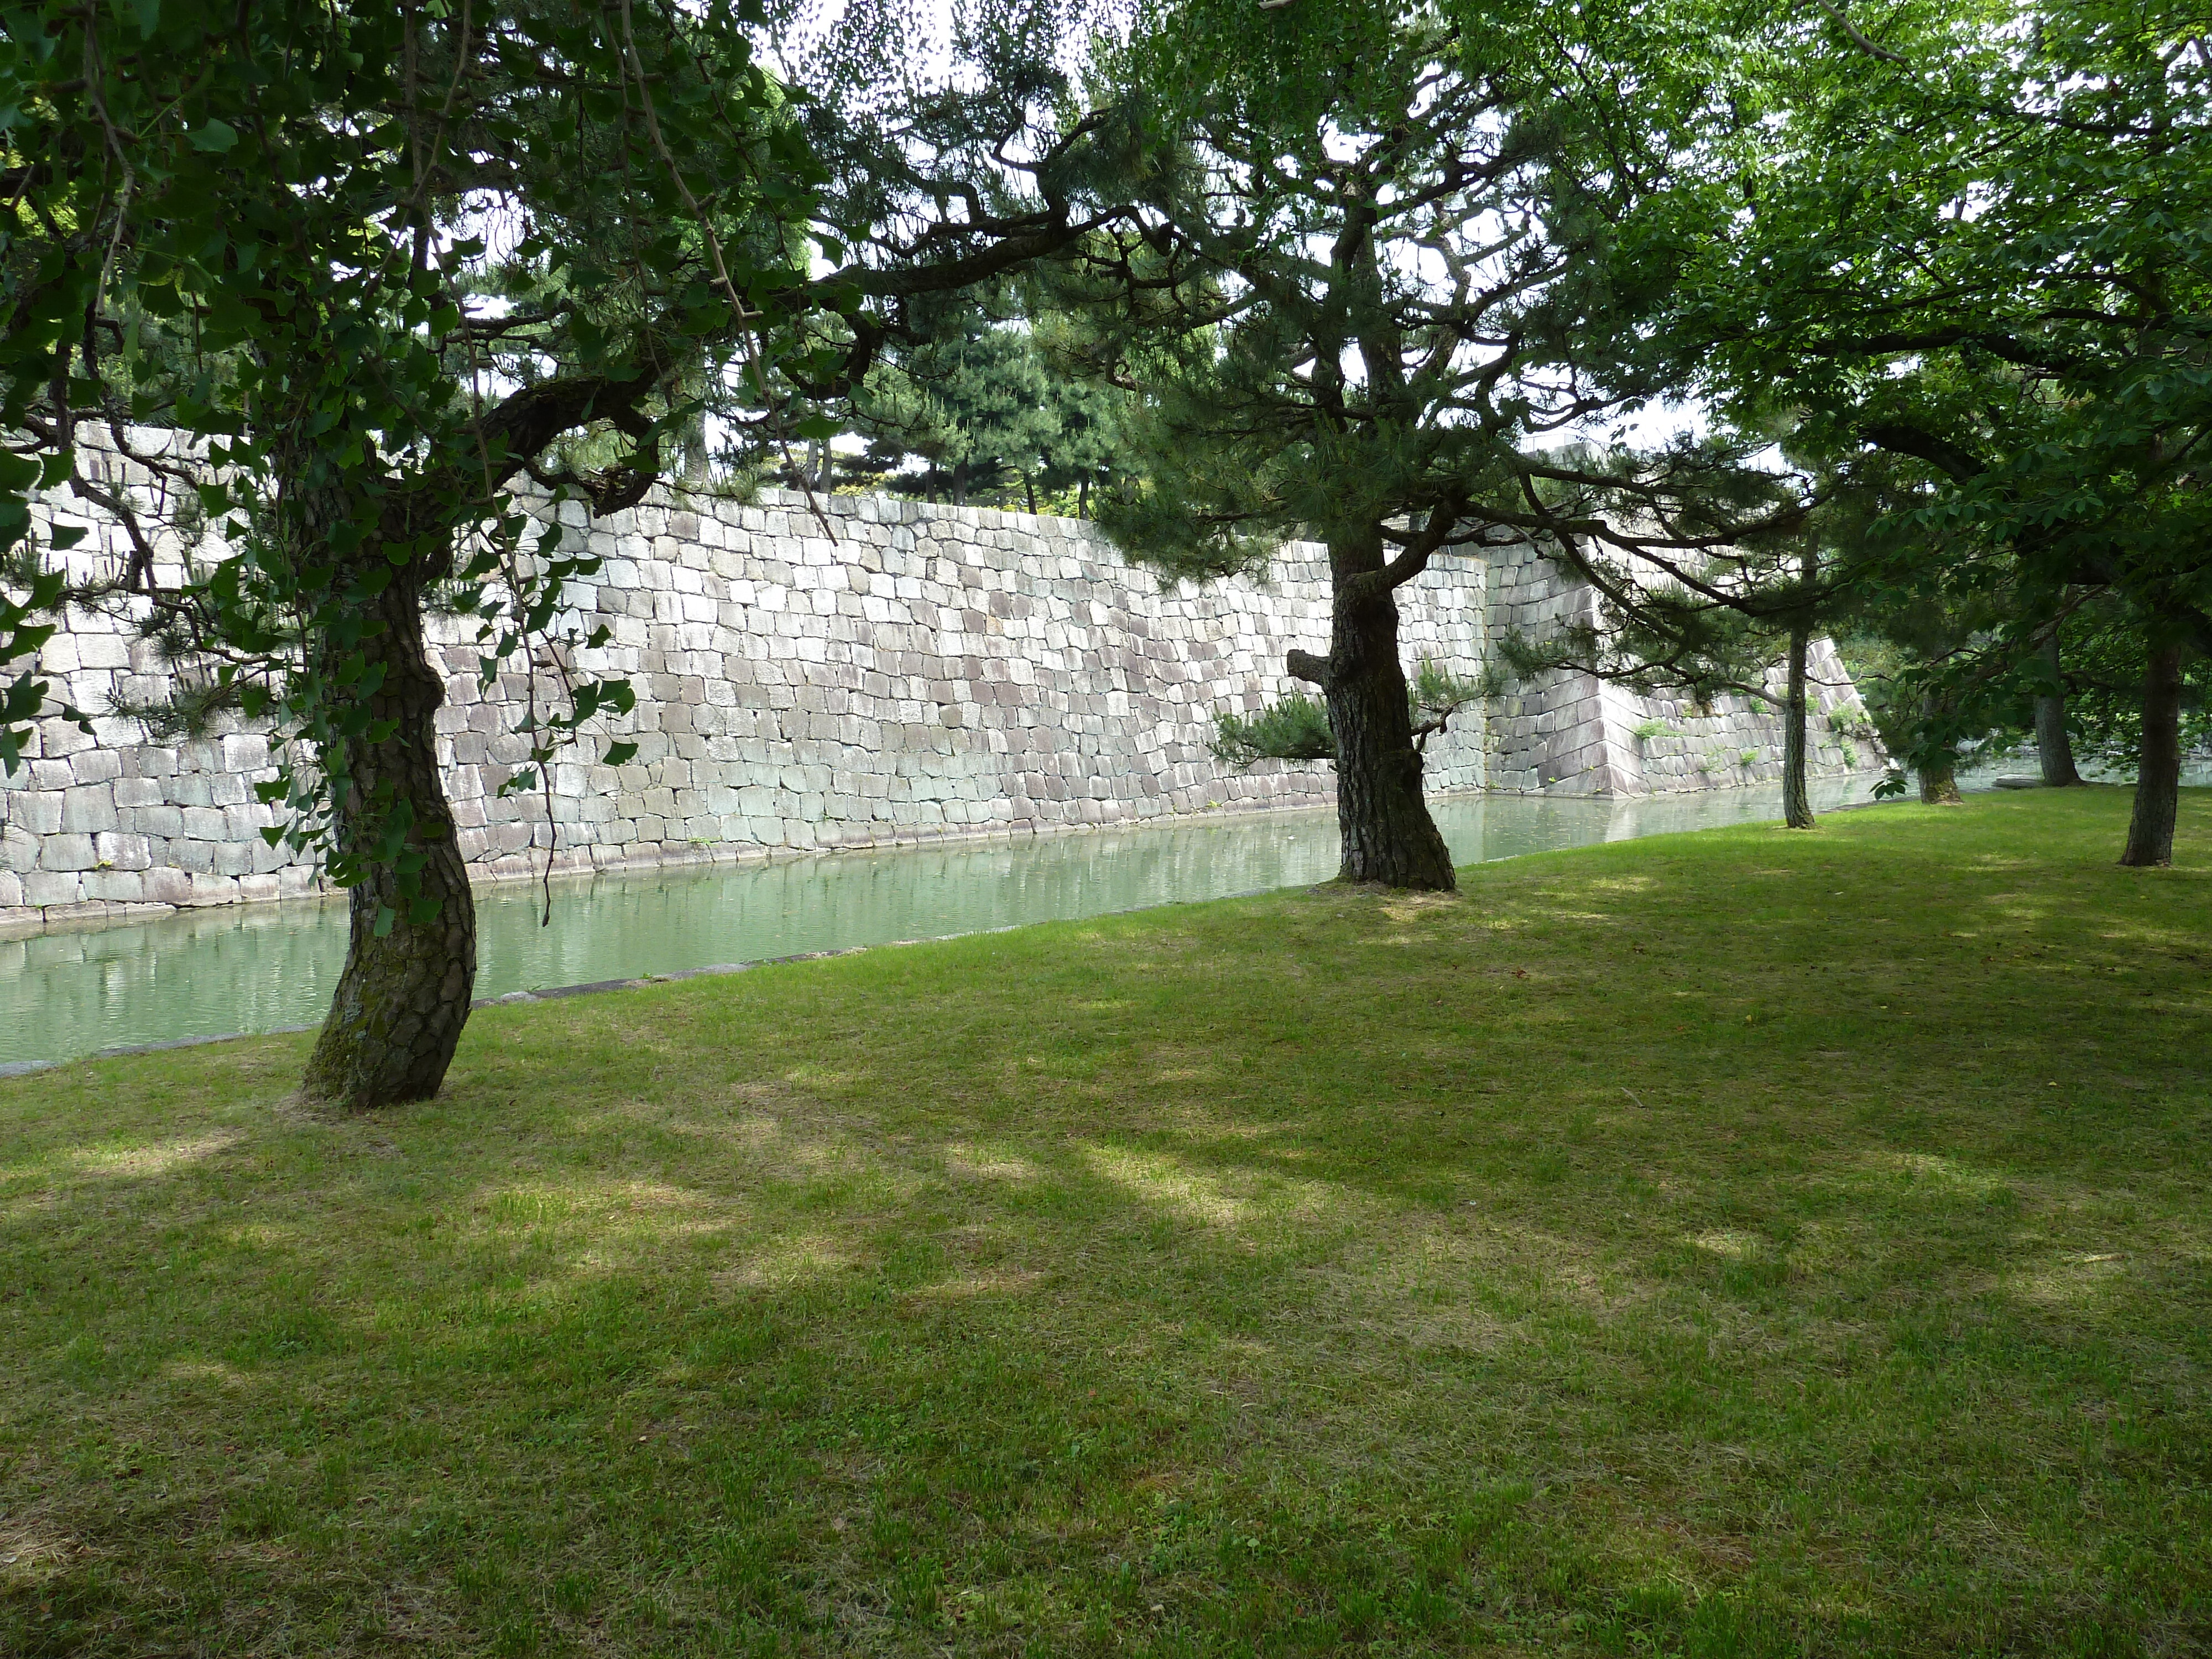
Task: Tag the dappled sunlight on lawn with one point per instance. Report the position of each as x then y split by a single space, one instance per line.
1164 1183
207 1370
786 1262
1726 1242
131 1160
157 1158
2069 1279
1109 1290
1932 1171
33 1549
978 1161
1011 1282
258 1236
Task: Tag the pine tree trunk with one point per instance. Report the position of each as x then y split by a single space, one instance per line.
1083 498
403 998
2054 750
2158 783
1796 798
1388 835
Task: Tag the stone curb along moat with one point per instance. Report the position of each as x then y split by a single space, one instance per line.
928 672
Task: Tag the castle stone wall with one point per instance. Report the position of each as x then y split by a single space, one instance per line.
1572 733
914 673
908 673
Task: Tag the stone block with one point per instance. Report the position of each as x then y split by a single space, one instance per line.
37 811
51 887
159 821
168 886
60 738
96 766
121 851
212 889
102 651
116 886
67 852
89 809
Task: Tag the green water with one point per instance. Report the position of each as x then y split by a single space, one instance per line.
262 967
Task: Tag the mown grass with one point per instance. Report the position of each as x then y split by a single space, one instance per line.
1739 1243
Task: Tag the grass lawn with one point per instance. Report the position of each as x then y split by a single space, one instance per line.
1737 1243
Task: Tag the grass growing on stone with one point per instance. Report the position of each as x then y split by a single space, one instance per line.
1737 1243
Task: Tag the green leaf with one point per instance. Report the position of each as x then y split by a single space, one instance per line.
216 136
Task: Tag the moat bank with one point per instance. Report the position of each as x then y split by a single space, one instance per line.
261 967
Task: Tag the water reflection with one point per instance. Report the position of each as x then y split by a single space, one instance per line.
257 967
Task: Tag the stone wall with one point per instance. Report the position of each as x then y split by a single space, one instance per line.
913 673
928 672
1576 734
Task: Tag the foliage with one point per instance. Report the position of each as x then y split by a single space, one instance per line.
1300 369
2103 660
1295 728
298 204
37 592
1964 258
982 403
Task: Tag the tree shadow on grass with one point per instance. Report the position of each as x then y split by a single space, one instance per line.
1188 1312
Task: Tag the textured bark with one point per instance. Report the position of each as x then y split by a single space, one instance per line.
2158 784
2054 750
403 998
1796 799
1939 784
1387 833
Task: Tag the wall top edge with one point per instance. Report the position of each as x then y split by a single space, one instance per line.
869 507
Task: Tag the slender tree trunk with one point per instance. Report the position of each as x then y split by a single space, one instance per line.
960 484
1796 798
1029 489
1939 784
1083 498
404 997
2158 783
2054 750
1387 832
